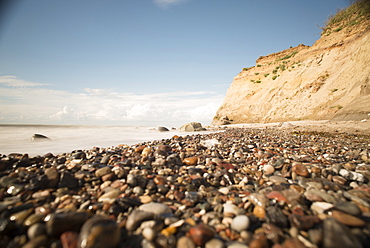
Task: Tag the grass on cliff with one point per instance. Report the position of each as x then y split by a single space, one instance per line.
357 12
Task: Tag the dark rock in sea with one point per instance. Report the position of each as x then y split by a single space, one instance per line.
39 137
162 129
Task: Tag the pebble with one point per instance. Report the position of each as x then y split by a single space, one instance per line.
347 219
155 208
99 232
185 242
240 223
268 169
200 234
300 170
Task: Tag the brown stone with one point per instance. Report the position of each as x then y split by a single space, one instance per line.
160 180
305 222
347 219
259 241
200 234
293 243
190 161
300 170
259 212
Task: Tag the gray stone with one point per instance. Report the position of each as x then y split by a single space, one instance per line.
338 235
155 208
135 219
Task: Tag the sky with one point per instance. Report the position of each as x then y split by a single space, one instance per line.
139 62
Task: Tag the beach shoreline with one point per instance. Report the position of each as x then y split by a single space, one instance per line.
272 183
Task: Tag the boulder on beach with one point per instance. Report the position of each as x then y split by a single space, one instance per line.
163 129
192 127
39 137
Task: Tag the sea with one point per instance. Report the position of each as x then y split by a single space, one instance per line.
65 138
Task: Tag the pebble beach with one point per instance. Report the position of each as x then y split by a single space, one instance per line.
236 188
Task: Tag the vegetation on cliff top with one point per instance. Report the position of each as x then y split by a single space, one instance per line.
357 12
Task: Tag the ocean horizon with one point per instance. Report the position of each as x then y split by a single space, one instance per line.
17 138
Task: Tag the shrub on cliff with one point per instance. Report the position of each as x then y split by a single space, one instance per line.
357 12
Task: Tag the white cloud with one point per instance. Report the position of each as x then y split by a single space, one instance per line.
13 81
102 106
168 3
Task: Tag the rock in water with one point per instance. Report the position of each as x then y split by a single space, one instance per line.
192 127
39 137
99 232
163 129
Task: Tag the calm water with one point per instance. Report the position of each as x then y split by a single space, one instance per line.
17 138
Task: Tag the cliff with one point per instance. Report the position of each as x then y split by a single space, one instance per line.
328 81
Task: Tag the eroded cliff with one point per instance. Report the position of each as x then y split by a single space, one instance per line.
329 80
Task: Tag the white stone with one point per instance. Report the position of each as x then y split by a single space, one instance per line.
224 190
320 207
231 208
240 223
268 169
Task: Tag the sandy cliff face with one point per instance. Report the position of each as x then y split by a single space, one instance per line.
329 80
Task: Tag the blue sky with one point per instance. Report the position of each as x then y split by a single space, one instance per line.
139 62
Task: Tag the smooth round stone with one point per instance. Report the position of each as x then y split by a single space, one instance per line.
268 169
185 242
69 239
131 180
258 199
33 219
155 208
240 223
277 179
99 232
214 243
149 234
53 176
224 190
146 151
300 170
259 211
237 245
230 209
109 197
320 207
103 171
190 161
348 208
200 234
135 219
56 224
145 199
347 219
138 190
317 195
36 230
277 196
